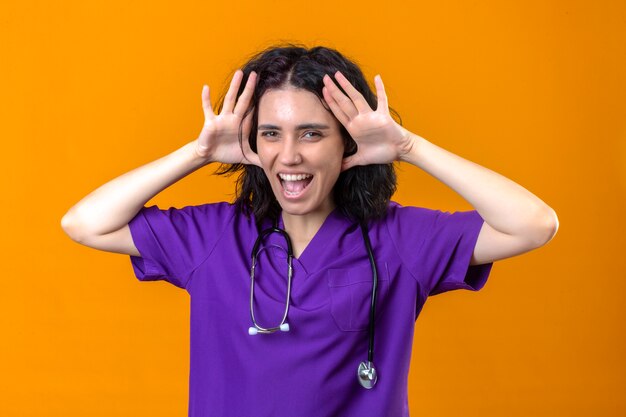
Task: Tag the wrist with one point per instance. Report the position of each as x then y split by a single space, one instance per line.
409 147
198 157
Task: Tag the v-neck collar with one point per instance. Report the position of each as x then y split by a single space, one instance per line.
312 256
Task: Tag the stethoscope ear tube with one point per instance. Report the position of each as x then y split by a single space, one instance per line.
283 327
261 236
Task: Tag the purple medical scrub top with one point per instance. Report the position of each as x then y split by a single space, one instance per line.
312 369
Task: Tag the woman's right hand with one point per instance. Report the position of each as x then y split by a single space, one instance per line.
219 139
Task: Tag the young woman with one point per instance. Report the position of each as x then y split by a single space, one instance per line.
294 285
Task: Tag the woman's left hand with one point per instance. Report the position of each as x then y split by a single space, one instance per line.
379 138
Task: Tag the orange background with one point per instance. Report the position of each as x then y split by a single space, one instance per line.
534 90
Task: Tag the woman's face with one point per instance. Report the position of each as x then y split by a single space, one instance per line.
300 147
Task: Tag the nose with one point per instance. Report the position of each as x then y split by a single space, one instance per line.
290 153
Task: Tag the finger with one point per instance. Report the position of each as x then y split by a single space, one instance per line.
334 107
244 99
382 105
357 98
246 125
249 156
343 101
231 95
206 101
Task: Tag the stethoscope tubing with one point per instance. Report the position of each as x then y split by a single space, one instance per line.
255 252
366 372
370 350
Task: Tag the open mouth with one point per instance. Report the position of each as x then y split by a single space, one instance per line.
294 184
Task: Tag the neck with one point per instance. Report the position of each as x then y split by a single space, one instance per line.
302 228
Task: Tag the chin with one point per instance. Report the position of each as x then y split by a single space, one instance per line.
295 209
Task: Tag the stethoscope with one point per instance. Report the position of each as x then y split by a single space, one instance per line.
366 372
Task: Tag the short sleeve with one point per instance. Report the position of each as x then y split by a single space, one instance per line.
438 247
173 242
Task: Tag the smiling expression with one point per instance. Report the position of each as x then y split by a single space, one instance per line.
300 147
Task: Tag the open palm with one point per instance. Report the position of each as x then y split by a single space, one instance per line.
379 138
219 138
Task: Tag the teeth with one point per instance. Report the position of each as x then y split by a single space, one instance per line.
294 177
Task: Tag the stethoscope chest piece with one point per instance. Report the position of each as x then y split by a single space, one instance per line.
367 375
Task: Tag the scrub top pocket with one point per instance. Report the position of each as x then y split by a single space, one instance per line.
351 295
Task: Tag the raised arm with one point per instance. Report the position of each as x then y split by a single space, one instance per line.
516 221
100 220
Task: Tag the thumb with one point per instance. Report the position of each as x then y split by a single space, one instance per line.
251 158
347 163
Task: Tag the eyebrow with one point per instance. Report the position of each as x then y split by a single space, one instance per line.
299 127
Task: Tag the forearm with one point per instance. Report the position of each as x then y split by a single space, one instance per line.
115 203
503 204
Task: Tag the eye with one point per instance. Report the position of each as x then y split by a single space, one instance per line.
268 134
312 135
